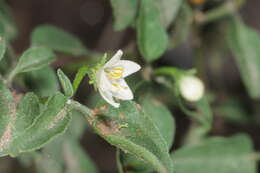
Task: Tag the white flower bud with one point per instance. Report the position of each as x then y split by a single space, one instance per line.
191 88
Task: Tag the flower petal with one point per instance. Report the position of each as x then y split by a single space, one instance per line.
104 88
107 95
114 59
123 92
130 67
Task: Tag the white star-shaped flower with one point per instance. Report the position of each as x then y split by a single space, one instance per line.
110 79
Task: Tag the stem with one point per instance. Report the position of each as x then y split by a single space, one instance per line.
10 77
224 10
81 108
12 53
13 57
118 163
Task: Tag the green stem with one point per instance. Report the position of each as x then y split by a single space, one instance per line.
224 10
13 57
118 162
11 52
10 77
81 108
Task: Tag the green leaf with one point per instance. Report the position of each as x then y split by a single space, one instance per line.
46 164
43 82
163 120
217 155
82 72
76 159
27 110
182 25
8 28
151 36
133 131
65 83
34 59
15 119
2 48
124 12
244 43
233 110
58 40
77 126
7 118
63 150
169 9
51 122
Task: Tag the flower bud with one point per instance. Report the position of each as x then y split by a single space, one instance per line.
191 88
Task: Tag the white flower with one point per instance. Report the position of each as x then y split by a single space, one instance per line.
191 88
110 79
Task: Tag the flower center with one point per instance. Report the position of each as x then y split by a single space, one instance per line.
115 73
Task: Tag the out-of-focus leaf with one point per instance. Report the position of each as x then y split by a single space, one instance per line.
217 155
43 82
65 83
8 29
46 164
58 40
233 110
82 72
76 159
151 35
132 130
77 126
53 121
182 25
54 149
244 43
2 47
124 13
34 59
169 10
163 120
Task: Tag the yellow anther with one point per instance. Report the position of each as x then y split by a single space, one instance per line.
118 86
115 73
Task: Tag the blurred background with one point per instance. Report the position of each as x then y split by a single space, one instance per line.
92 22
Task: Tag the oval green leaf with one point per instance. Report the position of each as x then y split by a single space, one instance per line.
65 83
124 12
151 36
244 43
217 155
132 130
34 59
163 120
58 40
